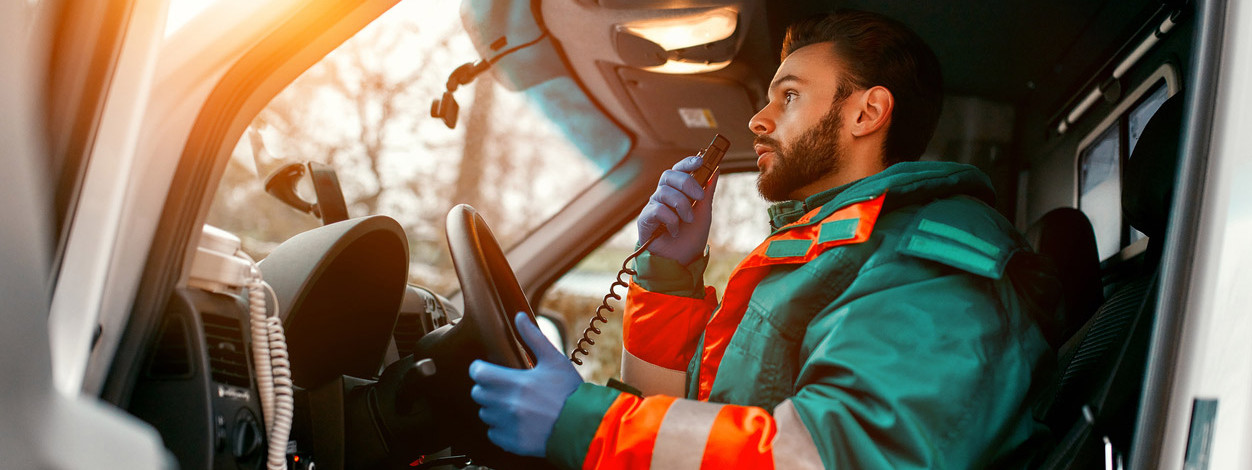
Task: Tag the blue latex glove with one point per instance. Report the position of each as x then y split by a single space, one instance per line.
670 209
520 406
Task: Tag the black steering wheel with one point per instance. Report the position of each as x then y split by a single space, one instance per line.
490 290
408 400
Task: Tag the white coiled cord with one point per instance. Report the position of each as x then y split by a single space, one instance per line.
284 403
273 368
261 349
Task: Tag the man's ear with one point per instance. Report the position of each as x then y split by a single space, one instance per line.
873 113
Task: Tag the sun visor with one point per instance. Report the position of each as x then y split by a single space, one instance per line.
685 110
499 27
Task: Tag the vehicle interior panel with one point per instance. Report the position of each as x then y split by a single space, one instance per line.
653 4
422 312
996 50
196 385
588 44
380 361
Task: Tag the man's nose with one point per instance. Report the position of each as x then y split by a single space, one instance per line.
761 123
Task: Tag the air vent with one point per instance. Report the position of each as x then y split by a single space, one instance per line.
408 330
170 357
227 356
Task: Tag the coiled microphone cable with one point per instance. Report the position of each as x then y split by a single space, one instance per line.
604 304
711 158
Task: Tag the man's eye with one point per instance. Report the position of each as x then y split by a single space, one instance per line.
790 96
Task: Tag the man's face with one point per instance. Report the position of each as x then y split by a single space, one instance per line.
797 133
802 162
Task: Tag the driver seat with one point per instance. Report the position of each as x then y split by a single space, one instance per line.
1100 386
1064 236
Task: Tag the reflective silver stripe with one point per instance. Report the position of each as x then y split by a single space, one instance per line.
793 445
652 379
683 434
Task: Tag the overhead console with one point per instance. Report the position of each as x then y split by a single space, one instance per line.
668 69
673 69
684 110
637 61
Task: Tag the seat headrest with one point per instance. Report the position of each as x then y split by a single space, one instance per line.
1150 176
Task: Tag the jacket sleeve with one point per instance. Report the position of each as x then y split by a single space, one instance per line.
666 309
601 428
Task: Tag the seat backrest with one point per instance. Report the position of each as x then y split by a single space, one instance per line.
1065 237
1101 381
1151 174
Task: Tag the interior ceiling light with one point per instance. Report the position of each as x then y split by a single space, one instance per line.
700 42
682 32
679 67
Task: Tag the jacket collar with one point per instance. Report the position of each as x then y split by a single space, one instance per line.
905 183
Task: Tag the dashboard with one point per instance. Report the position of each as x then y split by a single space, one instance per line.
348 311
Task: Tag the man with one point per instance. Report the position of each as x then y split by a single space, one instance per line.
878 326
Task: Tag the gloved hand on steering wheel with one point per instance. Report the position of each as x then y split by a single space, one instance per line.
669 209
520 406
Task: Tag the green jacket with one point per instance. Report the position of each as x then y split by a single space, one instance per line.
887 323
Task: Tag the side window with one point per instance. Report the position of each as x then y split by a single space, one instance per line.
1103 155
739 224
364 110
1101 167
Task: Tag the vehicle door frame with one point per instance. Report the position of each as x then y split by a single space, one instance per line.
1200 322
303 33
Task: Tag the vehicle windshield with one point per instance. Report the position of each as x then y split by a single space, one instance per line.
365 110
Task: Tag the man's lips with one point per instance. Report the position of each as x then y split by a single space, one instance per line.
762 152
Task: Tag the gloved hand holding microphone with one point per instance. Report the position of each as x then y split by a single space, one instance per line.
683 227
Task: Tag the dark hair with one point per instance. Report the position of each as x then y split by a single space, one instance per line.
881 51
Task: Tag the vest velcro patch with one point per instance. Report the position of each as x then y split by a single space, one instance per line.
838 230
833 231
958 235
966 238
787 248
954 255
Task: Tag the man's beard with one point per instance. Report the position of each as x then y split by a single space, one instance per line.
815 154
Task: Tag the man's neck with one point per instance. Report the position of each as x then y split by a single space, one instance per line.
850 169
